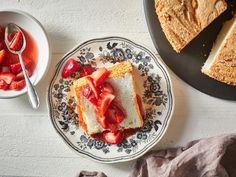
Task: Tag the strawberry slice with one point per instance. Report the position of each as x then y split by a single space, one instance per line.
17 85
20 76
99 75
87 70
11 36
106 124
118 107
102 121
87 92
103 103
93 100
3 85
92 86
115 113
119 117
16 43
70 67
111 116
2 55
7 60
16 68
7 77
105 87
112 137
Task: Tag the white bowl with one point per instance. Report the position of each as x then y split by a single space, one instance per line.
32 26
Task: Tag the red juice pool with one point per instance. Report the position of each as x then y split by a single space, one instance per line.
11 75
30 52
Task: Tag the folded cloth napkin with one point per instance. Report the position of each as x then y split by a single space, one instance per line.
211 157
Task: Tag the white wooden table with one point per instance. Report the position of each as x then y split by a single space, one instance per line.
29 145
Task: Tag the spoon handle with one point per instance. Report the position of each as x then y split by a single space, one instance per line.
33 96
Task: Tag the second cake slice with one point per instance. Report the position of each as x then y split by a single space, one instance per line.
221 63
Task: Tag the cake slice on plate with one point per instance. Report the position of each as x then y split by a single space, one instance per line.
182 21
113 87
221 63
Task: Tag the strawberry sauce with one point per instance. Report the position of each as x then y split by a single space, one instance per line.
11 75
125 134
30 52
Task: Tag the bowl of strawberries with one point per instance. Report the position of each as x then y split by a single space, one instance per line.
35 56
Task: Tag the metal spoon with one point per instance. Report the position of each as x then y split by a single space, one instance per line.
32 94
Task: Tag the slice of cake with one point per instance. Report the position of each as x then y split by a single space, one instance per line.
118 83
183 20
221 63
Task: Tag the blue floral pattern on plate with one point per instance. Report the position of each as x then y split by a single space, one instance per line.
153 85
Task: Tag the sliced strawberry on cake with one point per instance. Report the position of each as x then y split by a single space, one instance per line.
99 75
87 70
113 137
105 87
91 85
104 102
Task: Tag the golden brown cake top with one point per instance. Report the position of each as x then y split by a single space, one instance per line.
183 20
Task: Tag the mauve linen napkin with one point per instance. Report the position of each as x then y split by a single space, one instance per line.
210 157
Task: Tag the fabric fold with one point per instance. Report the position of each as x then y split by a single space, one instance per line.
210 157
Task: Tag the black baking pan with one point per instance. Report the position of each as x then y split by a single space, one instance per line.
188 63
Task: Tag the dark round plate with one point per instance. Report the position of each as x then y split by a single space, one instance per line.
187 64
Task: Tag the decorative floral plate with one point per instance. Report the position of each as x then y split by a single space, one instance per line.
153 85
